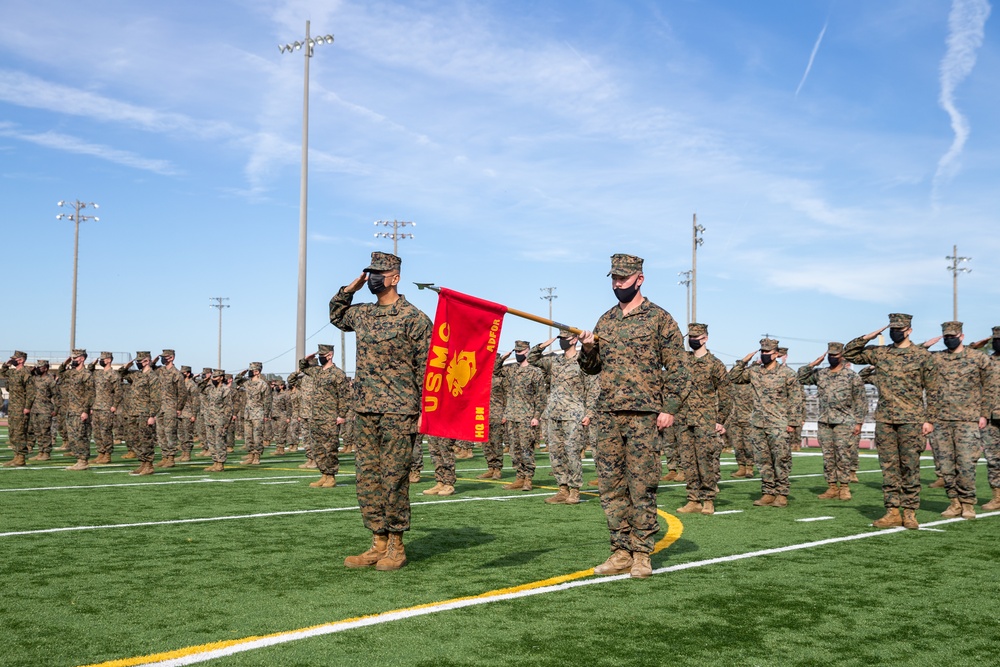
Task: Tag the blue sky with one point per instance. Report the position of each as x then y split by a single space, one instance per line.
834 151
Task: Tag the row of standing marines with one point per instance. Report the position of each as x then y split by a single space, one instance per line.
631 390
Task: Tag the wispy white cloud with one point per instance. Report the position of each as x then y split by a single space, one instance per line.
812 57
876 281
966 24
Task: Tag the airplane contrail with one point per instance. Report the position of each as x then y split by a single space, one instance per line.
812 57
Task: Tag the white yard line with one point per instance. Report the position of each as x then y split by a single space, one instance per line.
816 518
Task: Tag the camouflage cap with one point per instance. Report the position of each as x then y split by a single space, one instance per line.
768 345
79 352
42 362
782 351
19 355
521 345
185 369
206 371
696 329
996 332
107 355
143 354
834 348
256 366
625 265
228 377
951 329
384 261
900 320
218 372
168 353
566 334
325 349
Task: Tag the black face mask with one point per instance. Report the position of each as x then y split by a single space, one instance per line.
77 364
996 345
376 283
834 360
626 294
322 360
565 344
105 363
952 342
766 359
695 343
897 335
520 357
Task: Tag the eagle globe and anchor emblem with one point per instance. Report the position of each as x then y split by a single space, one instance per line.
461 369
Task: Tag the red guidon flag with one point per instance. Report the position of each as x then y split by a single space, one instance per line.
459 373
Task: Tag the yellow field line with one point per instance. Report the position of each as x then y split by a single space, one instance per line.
674 530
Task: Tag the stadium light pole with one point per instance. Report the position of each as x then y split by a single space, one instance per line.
548 297
218 303
696 240
955 270
395 235
300 320
687 283
77 218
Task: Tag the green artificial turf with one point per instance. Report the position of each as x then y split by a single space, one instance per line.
88 596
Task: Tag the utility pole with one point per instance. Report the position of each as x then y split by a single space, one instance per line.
696 240
687 283
300 319
220 305
77 218
955 270
395 235
548 297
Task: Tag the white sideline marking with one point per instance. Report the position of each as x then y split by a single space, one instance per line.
291 481
386 617
729 512
816 518
261 515
935 530
197 480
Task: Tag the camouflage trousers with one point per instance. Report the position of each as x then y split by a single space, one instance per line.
304 437
566 452
960 444
382 458
186 425
738 436
324 434
231 432
837 442
493 448
103 422
253 434
41 432
795 437
78 436
444 459
899 447
17 424
521 438
772 451
141 437
935 452
215 437
416 454
668 447
699 449
628 469
347 430
991 452
279 431
166 431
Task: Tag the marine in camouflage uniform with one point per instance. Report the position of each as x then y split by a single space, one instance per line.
78 392
238 399
991 435
281 416
328 410
903 373
189 415
173 394
141 407
302 401
41 406
443 454
393 339
493 448
17 378
107 400
637 348
217 405
795 435
778 406
700 422
522 412
961 407
571 400
257 410
738 428
842 409
203 381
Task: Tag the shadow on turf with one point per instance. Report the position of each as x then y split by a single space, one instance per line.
436 541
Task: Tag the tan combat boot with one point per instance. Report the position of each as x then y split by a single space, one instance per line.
145 468
215 467
446 490
910 520
526 486
204 452
81 464
968 511
994 503
102 458
680 477
129 455
395 555
954 509
293 448
574 497
832 491
464 454
670 476
559 498
692 507
594 482
41 457
854 478
708 507
433 491
414 476
331 481
310 464
515 485
780 501
892 519
748 472
641 567
16 462
279 450
937 484
185 457
247 459
764 501
845 492
166 462
741 471
319 482
486 475
255 459
368 558
497 473
619 562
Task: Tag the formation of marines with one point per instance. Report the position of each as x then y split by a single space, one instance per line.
631 391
